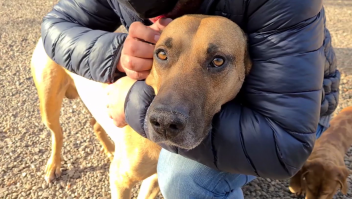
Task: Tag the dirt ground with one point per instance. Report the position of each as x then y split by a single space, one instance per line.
25 142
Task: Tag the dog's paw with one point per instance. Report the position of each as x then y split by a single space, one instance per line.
302 193
52 169
297 191
110 154
294 189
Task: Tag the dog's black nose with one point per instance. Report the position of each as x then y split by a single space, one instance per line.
167 123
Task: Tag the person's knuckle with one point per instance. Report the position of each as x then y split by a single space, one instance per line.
130 63
147 65
141 31
135 26
145 75
139 76
127 45
127 38
133 48
123 60
127 62
133 74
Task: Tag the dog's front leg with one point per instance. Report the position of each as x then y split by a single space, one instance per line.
121 183
149 188
295 185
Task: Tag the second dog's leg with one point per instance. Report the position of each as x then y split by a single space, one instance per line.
295 185
149 188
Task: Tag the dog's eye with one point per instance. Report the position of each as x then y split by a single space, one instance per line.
161 54
218 61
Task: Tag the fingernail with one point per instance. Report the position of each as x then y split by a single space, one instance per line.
107 106
156 37
168 20
165 21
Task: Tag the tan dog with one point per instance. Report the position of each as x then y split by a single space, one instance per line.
200 63
325 171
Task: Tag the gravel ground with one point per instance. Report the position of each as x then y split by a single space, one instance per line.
25 142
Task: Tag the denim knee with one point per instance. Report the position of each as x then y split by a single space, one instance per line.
320 130
180 177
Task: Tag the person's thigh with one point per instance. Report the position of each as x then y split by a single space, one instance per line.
181 177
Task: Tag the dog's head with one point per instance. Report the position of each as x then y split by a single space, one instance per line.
200 63
322 180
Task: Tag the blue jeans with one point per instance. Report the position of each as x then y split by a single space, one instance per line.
182 178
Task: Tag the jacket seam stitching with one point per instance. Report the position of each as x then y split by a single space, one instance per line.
291 54
90 53
281 160
244 147
262 92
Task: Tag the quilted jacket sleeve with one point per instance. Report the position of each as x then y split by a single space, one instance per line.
78 35
271 132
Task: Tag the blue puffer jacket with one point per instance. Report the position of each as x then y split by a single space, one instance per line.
293 85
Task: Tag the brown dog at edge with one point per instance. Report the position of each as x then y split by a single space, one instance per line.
201 73
324 173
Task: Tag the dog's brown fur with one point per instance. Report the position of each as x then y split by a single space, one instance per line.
325 172
134 158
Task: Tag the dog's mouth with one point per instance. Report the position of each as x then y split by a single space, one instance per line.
188 139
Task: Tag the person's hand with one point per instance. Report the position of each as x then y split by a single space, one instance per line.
137 53
117 93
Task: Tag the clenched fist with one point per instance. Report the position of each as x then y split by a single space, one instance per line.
137 53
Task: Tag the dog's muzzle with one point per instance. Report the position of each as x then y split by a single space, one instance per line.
168 123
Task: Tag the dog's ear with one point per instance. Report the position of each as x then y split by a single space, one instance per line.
303 178
342 173
305 170
152 80
247 59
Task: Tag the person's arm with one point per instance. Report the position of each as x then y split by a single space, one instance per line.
78 35
273 132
